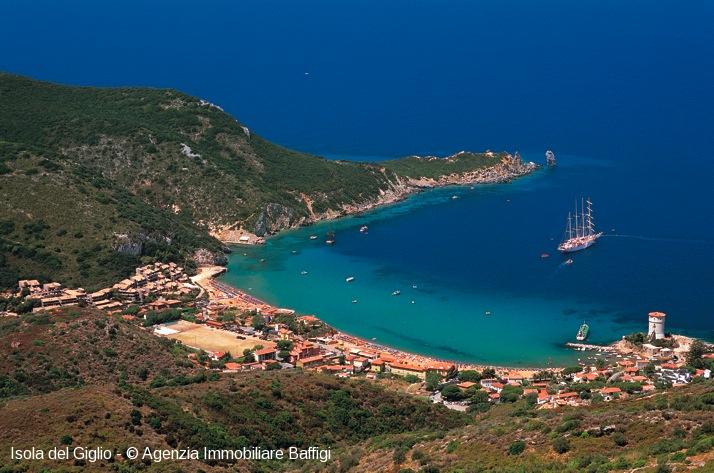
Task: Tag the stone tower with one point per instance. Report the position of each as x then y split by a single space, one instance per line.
656 325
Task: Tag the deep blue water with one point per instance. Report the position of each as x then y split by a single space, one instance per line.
622 91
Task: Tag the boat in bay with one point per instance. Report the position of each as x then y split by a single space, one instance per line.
582 332
350 279
580 232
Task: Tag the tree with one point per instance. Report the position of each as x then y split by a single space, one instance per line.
511 393
411 378
432 380
488 373
258 322
695 354
600 363
286 345
452 393
470 375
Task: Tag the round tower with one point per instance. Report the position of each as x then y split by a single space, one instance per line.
656 325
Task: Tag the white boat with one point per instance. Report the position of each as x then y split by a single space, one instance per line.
303 272
350 279
313 237
396 293
363 229
454 197
580 234
354 301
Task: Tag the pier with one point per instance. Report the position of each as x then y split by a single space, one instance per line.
586 346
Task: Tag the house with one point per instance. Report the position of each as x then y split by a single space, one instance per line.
442 368
308 320
610 392
466 385
486 383
310 362
359 364
543 396
232 367
264 354
497 387
405 369
378 365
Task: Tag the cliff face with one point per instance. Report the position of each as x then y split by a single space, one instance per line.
275 217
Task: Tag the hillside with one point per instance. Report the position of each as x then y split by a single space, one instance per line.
94 181
82 378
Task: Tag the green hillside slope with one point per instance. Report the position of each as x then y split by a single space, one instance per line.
94 181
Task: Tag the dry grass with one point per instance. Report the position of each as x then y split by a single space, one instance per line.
213 340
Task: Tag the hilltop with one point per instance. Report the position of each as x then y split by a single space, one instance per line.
94 181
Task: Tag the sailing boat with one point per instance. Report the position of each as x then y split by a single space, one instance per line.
581 234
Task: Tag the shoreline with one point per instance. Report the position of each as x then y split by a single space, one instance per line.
353 341
507 170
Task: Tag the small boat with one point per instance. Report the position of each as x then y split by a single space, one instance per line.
454 197
545 255
313 237
330 238
413 302
363 229
354 301
414 286
303 272
294 252
262 260
582 332
488 313
568 261
396 293
350 279
550 158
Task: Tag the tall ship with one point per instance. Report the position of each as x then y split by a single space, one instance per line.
580 232
582 332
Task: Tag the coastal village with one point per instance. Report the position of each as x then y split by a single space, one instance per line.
232 331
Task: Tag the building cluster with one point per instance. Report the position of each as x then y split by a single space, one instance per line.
151 280
158 279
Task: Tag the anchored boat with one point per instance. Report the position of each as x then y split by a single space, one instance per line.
582 332
580 232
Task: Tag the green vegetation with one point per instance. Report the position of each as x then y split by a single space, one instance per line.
105 377
148 170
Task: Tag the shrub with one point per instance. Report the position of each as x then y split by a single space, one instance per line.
619 439
561 445
517 447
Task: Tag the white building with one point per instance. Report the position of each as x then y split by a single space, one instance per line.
656 325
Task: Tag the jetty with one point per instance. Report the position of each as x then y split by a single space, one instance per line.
587 346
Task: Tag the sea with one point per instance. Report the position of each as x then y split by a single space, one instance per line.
620 91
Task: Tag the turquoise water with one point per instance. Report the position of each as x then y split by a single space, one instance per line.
481 253
624 86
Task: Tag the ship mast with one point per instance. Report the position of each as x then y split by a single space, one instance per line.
577 226
582 218
570 226
591 227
